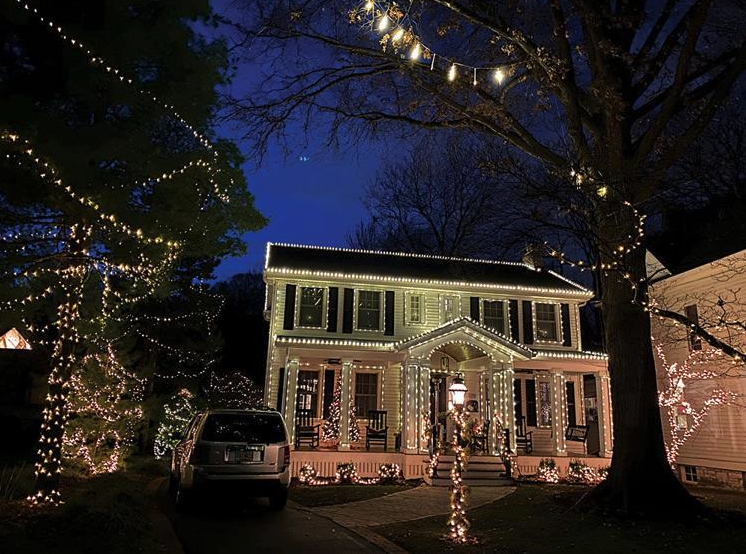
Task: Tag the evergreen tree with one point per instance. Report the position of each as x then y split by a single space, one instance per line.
331 430
176 415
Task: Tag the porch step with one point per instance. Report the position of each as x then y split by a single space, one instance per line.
481 471
470 482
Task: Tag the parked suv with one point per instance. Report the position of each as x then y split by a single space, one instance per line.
249 448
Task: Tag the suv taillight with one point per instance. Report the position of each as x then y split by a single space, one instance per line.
200 454
285 457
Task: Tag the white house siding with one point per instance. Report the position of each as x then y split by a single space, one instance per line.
718 447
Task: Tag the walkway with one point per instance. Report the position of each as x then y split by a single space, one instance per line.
417 503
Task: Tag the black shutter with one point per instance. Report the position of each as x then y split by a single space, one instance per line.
289 307
565 317
513 315
528 325
388 321
570 391
280 392
530 403
474 308
518 400
332 310
348 301
328 391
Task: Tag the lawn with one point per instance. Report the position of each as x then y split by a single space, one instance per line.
106 513
539 519
326 495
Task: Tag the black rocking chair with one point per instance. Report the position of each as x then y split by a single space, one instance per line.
481 439
305 430
376 431
523 437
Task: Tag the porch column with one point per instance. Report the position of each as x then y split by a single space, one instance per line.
496 406
605 424
424 404
291 395
506 401
559 411
410 418
344 416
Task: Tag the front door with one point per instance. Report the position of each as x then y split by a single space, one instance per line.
438 409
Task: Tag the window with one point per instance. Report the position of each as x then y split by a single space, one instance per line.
570 395
311 307
530 403
546 322
682 422
308 391
518 398
415 309
690 474
449 308
493 315
545 404
369 310
257 428
366 393
695 343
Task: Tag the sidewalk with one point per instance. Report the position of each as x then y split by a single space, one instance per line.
417 503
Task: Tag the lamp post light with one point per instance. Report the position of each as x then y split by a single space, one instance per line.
458 525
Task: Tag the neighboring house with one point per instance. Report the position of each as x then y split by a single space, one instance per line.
708 417
397 328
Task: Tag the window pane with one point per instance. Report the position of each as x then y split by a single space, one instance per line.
369 310
366 393
492 315
415 308
308 391
250 428
546 322
311 307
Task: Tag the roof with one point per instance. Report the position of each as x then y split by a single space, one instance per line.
400 266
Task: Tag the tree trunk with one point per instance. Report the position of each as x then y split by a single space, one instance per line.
49 455
640 478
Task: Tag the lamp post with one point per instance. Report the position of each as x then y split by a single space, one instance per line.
458 525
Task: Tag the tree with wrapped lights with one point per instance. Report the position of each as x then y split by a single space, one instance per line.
605 96
177 411
331 431
112 192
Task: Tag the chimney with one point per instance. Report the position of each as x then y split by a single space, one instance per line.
533 256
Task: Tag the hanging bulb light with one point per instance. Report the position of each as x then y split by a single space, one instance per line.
452 72
475 76
499 76
398 34
369 5
415 53
383 23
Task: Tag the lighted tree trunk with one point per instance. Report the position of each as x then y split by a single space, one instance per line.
640 478
49 455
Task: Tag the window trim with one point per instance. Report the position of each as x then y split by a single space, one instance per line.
506 315
557 322
324 306
407 311
543 380
319 389
382 310
441 310
379 399
688 471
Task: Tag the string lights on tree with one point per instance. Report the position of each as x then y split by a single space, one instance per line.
331 432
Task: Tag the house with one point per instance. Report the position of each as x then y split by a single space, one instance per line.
704 392
395 329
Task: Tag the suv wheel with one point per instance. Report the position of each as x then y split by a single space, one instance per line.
278 500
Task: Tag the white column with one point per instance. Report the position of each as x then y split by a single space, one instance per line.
495 395
423 404
410 418
291 395
605 424
344 417
559 411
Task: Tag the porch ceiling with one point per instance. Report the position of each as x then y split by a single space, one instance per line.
461 352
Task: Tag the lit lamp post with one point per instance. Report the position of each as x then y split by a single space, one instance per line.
458 525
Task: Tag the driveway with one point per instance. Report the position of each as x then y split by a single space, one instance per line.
250 526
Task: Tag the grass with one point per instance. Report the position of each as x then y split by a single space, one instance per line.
107 513
539 519
326 495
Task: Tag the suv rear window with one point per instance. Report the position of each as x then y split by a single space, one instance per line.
250 428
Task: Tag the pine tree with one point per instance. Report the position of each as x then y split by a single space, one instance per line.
330 431
176 415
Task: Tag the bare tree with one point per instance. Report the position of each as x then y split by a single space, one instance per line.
607 95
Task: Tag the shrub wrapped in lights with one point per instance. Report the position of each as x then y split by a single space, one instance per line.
390 474
307 474
580 472
547 471
346 473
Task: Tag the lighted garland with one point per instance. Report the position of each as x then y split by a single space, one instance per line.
458 524
346 473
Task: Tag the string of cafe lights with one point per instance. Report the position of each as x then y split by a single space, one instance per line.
397 29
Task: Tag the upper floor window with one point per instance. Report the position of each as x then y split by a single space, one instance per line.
695 343
415 309
546 322
311 310
493 315
450 308
369 310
